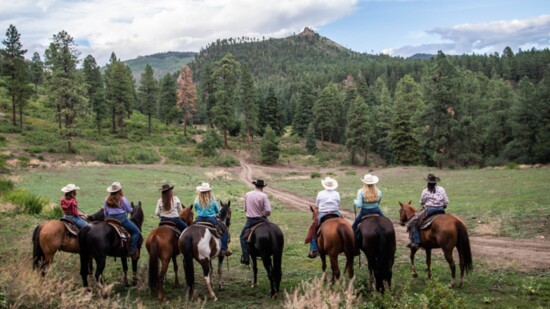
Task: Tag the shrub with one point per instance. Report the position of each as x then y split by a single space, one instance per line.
26 202
225 160
52 211
6 185
315 175
269 147
210 144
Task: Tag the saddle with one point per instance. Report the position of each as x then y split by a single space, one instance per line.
427 222
323 219
366 217
171 225
212 228
71 228
121 231
250 230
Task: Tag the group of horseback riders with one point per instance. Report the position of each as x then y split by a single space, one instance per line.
433 200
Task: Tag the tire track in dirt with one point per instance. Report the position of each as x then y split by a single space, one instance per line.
525 253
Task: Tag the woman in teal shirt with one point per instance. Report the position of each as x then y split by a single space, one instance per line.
368 199
207 208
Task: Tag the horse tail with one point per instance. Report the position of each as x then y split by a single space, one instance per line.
37 253
347 237
386 249
463 246
83 250
277 242
154 264
187 252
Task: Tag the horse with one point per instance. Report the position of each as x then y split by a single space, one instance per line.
162 243
99 240
335 237
199 242
52 236
266 240
445 232
379 245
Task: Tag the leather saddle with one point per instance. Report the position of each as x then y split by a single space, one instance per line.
212 228
323 219
250 230
120 230
366 217
171 225
71 228
427 222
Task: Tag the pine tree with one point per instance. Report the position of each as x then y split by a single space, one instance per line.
303 115
187 95
120 91
96 90
249 106
226 78
36 71
168 98
207 90
148 94
311 145
541 150
382 118
325 111
271 113
359 130
269 147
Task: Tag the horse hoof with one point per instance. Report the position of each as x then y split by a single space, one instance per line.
274 296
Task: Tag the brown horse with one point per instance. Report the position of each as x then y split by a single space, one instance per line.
335 237
445 232
199 242
52 236
162 243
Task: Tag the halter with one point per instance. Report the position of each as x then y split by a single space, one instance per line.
408 217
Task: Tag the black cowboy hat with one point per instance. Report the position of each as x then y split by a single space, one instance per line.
166 187
431 178
259 183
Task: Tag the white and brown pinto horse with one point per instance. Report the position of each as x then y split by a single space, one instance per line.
200 243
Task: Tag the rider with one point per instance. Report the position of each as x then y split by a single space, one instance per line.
368 199
433 199
69 204
169 207
257 209
207 208
328 202
116 206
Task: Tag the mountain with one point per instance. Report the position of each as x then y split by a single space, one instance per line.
162 63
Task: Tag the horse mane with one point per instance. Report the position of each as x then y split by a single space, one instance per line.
137 214
223 215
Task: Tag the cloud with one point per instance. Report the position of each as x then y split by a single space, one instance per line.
487 37
140 27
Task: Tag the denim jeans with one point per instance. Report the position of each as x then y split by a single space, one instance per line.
178 221
313 247
131 227
415 222
214 221
248 223
77 220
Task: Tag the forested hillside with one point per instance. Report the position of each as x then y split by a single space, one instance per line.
162 63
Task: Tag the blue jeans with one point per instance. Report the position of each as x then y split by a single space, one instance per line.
364 212
213 220
77 220
248 223
415 221
132 229
313 247
178 221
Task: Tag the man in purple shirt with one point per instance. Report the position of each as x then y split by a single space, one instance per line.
257 209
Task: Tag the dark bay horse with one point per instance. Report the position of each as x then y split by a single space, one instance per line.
378 244
198 242
335 237
52 236
162 244
446 232
266 240
99 240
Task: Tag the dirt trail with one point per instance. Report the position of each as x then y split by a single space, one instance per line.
524 253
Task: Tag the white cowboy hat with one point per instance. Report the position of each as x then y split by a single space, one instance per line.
70 187
204 187
115 187
369 179
329 183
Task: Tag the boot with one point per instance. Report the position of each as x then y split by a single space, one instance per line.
226 252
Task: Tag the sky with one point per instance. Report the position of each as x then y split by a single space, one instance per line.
131 28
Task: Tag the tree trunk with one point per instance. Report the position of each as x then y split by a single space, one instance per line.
184 121
149 116
21 117
322 137
225 139
114 120
59 115
14 119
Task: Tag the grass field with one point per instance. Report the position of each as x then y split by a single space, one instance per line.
476 195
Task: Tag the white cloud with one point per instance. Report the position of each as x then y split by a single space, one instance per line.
140 27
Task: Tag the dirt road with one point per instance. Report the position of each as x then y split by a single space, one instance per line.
523 253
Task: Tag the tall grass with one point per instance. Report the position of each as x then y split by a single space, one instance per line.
26 202
319 294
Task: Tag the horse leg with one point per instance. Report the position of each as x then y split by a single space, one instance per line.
134 270
429 262
100 261
266 259
324 263
162 276
207 274
125 270
349 265
175 263
449 257
254 270
334 267
220 268
413 268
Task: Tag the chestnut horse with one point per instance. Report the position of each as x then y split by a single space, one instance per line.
162 243
445 232
267 240
378 244
198 242
335 237
52 236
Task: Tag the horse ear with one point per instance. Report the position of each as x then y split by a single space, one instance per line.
228 203
401 204
191 206
410 202
311 208
132 203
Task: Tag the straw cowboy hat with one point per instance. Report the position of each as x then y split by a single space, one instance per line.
259 183
431 178
204 187
115 187
369 179
166 187
329 183
69 188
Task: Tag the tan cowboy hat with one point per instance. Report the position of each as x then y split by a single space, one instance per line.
329 183
369 179
166 187
115 187
204 187
69 188
431 178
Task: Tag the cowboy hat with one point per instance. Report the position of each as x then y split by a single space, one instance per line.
204 187
69 188
369 179
115 187
329 183
259 183
431 178
166 187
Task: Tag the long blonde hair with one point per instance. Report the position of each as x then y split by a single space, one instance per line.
371 193
204 198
